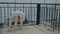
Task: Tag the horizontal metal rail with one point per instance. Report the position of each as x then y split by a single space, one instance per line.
29 3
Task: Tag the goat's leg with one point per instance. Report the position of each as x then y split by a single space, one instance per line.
21 24
10 24
15 24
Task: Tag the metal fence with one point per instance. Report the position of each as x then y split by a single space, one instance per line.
50 16
30 12
36 13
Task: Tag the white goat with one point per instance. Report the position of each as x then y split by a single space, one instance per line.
14 18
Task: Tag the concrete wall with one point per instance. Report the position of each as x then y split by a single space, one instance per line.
33 1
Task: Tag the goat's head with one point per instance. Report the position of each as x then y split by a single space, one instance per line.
18 13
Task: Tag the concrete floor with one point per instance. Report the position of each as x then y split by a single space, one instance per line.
27 30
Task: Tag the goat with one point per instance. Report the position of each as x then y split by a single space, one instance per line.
17 16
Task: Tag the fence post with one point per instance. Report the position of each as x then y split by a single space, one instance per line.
38 14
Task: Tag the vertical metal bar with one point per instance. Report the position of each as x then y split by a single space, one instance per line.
54 24
34 14
31 14
4 15
1 15
25 11
23 8
46 15
28 12
59 16
38 14
43 15
49 14
15 6
59 20
51 17
55 17
8 13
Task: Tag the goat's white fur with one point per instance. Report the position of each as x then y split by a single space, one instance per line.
17 13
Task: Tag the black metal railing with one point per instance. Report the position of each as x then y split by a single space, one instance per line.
6 8
36 13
